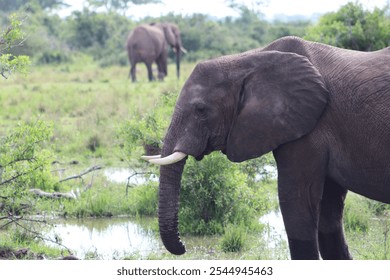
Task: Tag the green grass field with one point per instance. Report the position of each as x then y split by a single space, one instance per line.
86 104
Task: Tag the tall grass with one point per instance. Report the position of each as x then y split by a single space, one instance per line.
86 103
233 240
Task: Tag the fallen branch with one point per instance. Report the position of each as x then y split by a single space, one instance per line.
56 195
68 195
80 176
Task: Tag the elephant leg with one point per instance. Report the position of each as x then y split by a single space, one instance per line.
162 66
301 176
150 71
299 200
301 220
331 235
132 73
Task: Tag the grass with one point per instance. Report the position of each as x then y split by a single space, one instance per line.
16 243
368 221
86 104
234 239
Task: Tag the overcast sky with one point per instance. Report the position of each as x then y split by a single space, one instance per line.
218 8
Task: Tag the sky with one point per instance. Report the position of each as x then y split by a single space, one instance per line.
218 8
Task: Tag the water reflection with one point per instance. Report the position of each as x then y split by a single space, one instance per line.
106 238
275 231
116 238
121 175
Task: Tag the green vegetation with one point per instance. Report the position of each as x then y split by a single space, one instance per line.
215 193
76 109
233 239
352 27
10 37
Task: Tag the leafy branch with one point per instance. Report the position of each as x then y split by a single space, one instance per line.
12 36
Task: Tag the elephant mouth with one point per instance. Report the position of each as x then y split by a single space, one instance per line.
199 158
209 150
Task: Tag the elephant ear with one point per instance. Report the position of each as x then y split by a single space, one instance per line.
169 34
282 97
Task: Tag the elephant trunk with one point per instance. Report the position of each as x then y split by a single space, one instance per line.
178 55
168 204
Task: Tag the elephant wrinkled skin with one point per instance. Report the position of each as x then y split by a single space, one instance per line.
148 43
324 112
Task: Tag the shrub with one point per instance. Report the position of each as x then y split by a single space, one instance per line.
53 57
233 240
143 133
214 194
93 143
24 164
353 27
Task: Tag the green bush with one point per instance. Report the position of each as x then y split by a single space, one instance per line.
102 35
53 57
353 27
146 131
24 164
215 193
233 240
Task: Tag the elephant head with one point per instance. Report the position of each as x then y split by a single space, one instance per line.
244 105
172 36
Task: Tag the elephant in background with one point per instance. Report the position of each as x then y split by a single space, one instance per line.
149 43
323 111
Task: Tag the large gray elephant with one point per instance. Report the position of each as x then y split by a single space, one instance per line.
323 111
149 44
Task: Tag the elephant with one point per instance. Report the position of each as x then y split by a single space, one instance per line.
324 113
149 43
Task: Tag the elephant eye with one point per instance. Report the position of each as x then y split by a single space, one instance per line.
200 111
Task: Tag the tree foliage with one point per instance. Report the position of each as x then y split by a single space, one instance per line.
24 164
102 35
11 37
215 193
353 27
14 5
118 5
101 30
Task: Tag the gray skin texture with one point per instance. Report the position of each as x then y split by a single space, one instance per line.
324 112
149 44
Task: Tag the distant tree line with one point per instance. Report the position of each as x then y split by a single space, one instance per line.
101 29
352 27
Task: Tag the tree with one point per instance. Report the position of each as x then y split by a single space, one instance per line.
352 27
254 6
23 164
10 6
11 37
100 34
118 5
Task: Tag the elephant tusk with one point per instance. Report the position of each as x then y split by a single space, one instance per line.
150 157
183 50
171 159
